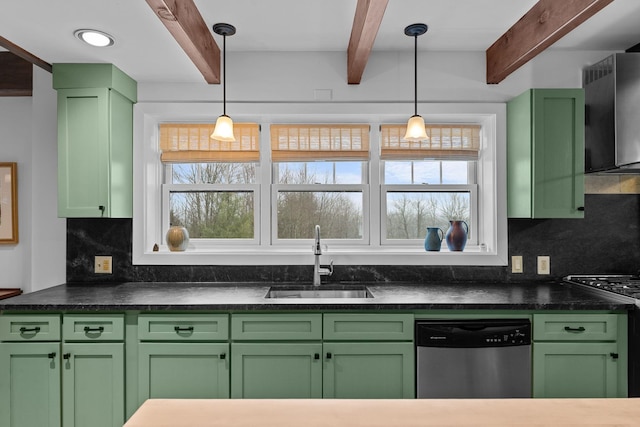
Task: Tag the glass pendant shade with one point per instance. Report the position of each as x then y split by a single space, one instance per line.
416 130
224 129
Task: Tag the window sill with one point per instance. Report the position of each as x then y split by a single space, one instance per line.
339 256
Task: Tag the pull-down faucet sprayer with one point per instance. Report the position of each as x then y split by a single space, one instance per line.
319 271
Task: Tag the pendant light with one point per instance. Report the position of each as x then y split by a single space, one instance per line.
224 125
415 127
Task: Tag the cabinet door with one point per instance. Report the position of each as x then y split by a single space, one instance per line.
30 384
276 370
545 154
83 152
558 134
575 370
183 371
379 370
93 385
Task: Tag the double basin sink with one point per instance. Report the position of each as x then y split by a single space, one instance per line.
322 291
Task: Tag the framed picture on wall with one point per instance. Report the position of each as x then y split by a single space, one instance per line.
8 203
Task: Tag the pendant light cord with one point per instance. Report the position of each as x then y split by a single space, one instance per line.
415 75
224 75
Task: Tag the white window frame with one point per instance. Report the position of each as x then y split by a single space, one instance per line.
147 216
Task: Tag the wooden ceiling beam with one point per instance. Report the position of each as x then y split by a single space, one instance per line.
16 75
366 23
186 25
27 56
544 24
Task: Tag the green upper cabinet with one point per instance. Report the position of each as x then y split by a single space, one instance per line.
545 154
95 140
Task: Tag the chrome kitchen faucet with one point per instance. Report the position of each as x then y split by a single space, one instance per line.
319 271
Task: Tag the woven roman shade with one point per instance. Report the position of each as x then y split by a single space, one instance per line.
308 142
446 141
191 143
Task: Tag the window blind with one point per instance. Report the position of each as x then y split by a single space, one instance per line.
446 141
308 142
191 142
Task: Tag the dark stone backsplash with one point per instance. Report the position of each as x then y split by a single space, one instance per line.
607 241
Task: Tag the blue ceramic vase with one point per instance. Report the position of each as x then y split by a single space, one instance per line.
433 239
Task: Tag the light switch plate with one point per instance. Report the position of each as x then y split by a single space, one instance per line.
516 264
103 265
544 266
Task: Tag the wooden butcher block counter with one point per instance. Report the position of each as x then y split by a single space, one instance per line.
386 413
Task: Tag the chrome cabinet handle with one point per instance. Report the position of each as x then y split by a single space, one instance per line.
24 330
570 329
186 329
98 329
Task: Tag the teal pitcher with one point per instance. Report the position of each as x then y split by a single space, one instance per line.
433 240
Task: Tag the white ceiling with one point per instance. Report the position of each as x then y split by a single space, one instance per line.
145 49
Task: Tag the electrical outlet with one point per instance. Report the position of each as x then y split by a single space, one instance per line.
103 265
544 266
516 264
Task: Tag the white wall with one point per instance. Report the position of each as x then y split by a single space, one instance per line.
49 233
28 136
15 146
388 77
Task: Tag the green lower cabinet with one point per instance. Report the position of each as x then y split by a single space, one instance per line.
368 370
183 371
276 370
30 384
93 384
575 370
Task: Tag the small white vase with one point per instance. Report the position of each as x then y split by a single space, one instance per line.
177 238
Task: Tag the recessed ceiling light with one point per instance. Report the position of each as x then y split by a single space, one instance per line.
95 37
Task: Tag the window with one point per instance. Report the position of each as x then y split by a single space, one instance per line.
210 187
320 177
428 183
257 201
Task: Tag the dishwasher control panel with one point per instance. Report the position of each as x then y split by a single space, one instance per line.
473 333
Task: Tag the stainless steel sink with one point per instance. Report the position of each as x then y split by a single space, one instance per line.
318 292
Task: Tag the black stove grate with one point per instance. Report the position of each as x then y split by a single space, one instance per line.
621 284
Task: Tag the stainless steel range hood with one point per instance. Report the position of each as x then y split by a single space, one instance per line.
612 129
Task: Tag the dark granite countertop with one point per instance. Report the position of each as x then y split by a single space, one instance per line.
251 296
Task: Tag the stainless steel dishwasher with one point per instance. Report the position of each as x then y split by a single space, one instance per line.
473 358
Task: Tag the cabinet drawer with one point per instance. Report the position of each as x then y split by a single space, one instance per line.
276 327
30 328
183 327
104 327
368 327
575 327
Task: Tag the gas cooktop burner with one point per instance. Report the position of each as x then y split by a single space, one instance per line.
621 284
